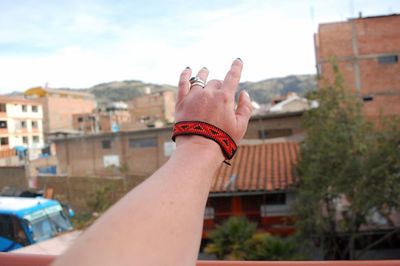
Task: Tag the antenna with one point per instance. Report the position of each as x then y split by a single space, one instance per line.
312 14
351 8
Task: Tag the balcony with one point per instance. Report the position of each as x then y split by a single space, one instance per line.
11 259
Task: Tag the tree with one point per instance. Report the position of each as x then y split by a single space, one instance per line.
350 174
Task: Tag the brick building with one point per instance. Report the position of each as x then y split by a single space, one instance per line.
257 185
113 117
141 152
153 110
367 52
60 105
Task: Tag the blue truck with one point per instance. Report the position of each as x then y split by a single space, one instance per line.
25 221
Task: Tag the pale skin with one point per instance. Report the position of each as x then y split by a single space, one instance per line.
160 221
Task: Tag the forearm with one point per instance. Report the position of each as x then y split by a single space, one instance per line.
166 210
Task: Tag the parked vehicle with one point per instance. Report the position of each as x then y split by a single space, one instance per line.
25 221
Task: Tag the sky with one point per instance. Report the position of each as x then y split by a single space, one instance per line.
81 43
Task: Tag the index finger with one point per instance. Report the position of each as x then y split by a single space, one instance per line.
232 78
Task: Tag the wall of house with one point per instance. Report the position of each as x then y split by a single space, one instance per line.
77 191
137 152
142 152
13 177
60 110
272 126
359 45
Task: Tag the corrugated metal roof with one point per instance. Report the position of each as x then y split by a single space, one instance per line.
262 167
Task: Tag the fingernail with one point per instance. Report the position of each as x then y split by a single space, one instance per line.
239 59
187 67
205 68
247 94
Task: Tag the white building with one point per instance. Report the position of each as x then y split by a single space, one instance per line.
21 124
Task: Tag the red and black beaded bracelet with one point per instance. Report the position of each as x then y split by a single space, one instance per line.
209 131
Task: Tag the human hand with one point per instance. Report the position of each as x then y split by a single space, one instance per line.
214 104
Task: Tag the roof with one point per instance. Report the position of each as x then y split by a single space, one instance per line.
22 206
18 100
42 92
281 106
263 167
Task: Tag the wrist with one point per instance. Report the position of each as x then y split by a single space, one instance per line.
199 146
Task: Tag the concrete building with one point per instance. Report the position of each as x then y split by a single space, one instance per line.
153 110
21 123
291 103
60 105
367 51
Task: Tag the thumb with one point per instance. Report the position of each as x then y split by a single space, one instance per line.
243 111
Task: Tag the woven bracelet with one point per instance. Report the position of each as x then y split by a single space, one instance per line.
209 131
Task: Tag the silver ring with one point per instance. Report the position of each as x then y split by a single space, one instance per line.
201 84
197 81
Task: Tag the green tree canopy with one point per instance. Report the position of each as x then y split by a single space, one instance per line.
350 173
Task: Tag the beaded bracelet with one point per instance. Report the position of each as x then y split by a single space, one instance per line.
209 131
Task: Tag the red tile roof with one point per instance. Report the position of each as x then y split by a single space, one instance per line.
261 167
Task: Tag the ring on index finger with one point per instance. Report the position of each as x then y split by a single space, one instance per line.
197 81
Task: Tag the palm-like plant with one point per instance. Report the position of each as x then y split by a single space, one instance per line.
229 240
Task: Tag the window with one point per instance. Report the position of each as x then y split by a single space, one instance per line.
275 205
3 124
143 143
368 98
35 139
24 108
209 213
3 108
23 124
4 141
106 144
35 124
388 59
34 108
275 198
274 133
25 140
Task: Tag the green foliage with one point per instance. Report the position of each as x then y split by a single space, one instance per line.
348 170
82 220
229 239
264 246
237 239
100 199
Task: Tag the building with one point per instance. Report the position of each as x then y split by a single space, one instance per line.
112 118
141 152
60 105
291 103
153 110
258 185
21 123
367 51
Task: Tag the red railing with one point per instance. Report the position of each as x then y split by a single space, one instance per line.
11 259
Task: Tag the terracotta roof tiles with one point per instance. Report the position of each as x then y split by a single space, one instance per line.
261 167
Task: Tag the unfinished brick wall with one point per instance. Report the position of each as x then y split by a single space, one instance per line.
358 46
13 177
76 191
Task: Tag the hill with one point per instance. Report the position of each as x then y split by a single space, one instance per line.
262 91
